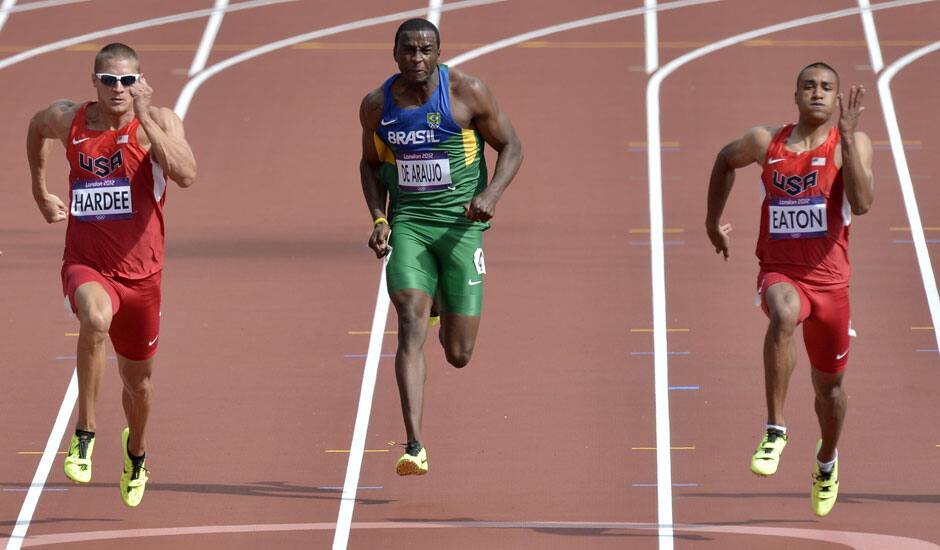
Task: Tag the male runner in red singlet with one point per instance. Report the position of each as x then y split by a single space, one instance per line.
816 174
121 151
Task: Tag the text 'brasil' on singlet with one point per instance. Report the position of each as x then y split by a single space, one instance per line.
805 217
116 197
430 165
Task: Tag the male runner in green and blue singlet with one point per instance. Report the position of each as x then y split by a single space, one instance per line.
423 132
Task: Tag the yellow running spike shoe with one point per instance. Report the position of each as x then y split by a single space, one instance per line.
825 488
134 479
413 465
767 456
78 460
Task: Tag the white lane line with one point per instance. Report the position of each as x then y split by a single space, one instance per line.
5 10
208 37
44 4
45 465
145 24
434 12
354 465
851 539
657 249
182 105
577 24
651 31
871 36
661 382
904 178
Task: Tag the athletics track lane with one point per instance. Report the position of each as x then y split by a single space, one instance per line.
705 105
212 257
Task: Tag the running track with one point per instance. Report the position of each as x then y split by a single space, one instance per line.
549 439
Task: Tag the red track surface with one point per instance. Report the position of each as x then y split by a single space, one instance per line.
268 273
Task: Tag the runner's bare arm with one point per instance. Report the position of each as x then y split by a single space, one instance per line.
856 153
374 191
496 129
167 139
749 149
51 123
168 145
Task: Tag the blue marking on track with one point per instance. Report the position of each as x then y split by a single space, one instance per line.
677 388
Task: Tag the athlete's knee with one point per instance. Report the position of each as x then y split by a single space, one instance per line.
95 322
828 385
139 387
783 320
458 356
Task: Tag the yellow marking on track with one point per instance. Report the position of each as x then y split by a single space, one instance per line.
71 334
667 330
662 144
908 229
347 450
921 328
681 448
36 452
364 332
639 230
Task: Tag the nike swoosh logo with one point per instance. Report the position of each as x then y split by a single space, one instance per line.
154 341
77 141
473 283
387 122
841 355
775 161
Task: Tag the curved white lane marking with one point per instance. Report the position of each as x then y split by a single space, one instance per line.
5 10
182 105
577 24
857 540
43 4
145 24
434 12
871 36
907 185
208 37
45 465
651 33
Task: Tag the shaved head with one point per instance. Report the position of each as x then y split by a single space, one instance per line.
817 65
115 50
417 24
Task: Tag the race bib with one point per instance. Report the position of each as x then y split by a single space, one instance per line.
803 218
423 171
100 200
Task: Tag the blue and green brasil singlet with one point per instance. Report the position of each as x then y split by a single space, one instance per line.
431 166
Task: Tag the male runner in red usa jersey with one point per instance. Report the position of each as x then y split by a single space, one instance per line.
816 175
121 151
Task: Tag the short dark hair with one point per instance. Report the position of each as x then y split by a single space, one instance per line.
115 50
816 65
417 24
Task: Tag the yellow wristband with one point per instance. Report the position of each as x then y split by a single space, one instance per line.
378 221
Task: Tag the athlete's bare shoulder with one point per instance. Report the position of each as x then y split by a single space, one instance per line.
54 121
751 148
763 135
468 89
370 110
167 119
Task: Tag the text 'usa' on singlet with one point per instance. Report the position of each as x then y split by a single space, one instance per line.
805 217
431 166
116 197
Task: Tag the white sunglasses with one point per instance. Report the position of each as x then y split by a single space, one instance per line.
111 80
